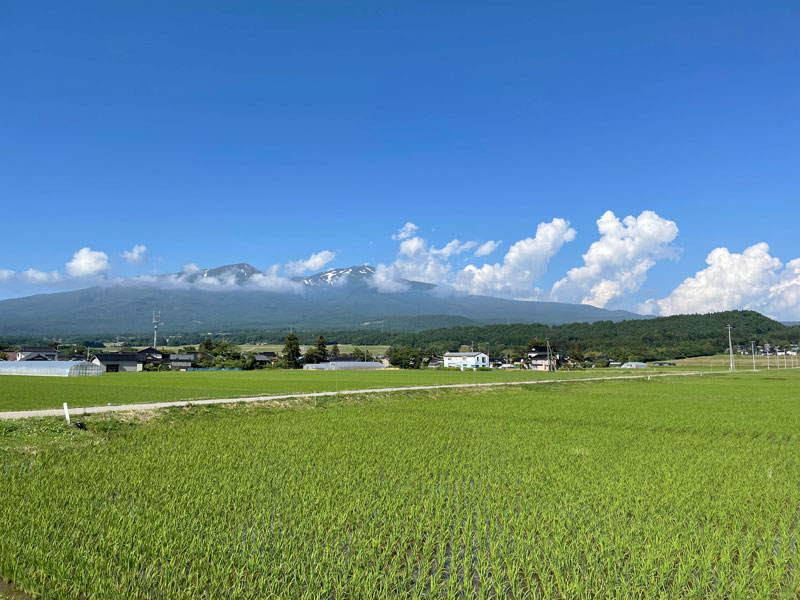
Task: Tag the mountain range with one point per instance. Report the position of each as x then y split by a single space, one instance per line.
240 297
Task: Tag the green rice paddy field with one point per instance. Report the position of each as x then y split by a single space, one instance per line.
29 393
685 487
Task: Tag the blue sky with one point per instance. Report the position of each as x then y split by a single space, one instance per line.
214 133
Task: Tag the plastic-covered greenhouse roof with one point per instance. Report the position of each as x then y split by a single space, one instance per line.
50 368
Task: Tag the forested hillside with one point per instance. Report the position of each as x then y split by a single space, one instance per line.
652 339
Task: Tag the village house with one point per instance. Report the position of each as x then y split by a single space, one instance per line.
118 362
540 359
182 362
466 360
35 353
265 359
152 356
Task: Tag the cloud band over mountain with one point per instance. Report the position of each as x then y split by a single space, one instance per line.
615 266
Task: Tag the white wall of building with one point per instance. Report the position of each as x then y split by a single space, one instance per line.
123 367
467 362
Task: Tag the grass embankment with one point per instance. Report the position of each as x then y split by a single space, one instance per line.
29 393
672 488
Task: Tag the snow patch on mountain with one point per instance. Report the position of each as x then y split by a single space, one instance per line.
337 277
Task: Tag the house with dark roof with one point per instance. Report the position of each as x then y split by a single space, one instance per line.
265 359
435 362
540 359
152 356
118 362
37 353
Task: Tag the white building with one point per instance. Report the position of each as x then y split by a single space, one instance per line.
118 362
466 360
634 365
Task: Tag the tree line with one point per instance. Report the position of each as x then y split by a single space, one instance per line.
662 338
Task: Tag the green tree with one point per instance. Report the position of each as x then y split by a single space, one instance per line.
335 351
406 358
3 355
362 355
291 352
322 347
313 356
249 362
537 343
575 352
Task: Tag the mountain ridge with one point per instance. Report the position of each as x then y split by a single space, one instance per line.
240 296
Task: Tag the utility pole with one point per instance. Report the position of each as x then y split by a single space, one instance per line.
730 348
753 352
156 323
549 364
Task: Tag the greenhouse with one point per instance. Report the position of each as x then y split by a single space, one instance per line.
347 365
50 368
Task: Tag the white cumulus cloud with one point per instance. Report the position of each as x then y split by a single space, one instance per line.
6 274
386 280
486 248
406 231
523 265
137 255
313 263
191 269
783 301
87 262
753 279
452 248
36 276
417 260
618 262
270 281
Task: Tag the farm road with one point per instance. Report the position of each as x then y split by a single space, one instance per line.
24 414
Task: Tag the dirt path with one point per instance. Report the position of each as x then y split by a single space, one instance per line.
56 412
